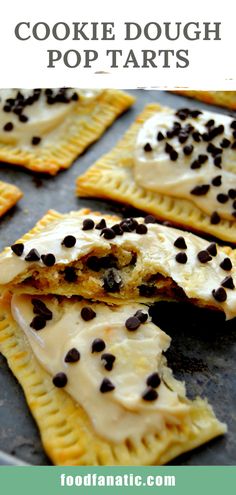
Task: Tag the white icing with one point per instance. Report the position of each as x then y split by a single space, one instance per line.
156 253
156 172
121 413
44 119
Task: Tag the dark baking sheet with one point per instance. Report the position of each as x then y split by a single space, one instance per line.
203 350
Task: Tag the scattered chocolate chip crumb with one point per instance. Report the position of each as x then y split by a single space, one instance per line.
219 294
180 243
88 224
153 380
60 380
98 345
228 283
150 394
72 356
18 248
33 255
106 386
226 264
87 313
204 256
69 241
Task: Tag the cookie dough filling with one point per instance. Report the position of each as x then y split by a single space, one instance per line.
117 373
111 260
190 154
29 117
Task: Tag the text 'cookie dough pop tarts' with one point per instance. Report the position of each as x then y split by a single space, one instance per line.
100 392
108 259
177 165
44 130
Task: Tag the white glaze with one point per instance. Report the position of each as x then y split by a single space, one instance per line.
121 413
156 172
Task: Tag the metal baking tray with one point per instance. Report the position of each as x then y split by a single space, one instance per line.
203 350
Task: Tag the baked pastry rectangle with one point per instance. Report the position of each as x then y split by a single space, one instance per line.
225 99
9 195
45 130
176 173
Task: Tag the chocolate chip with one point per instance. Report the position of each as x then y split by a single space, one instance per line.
212 249
222 198
183 136
109 261
160 136
69 241
75 97
112 281
38 323
132 323
181 258
180 243
195 164
233 146
225 143
98 345
33 255
88 224
48 259
40 308
228 283
72 356
210 123
150 219
109 360
147 147
219 294
232 193
141 229
35 140
195 113
153 380
87 313
233 124
173 155
226 264
216 181
206 136
196 136
203 256
217 161
234 134
106 386
117 229
234 205
202 159
188 149
128 224
8 127
93 263
168 148
147 290
108 233
150 394
182 113
7 108
215 218
101 225
200 190
141 316
70 274
18 248
60 380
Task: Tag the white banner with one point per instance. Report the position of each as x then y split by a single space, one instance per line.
122 44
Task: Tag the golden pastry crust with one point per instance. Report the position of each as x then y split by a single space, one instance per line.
9 195
111 177
225 99
66 431
78 135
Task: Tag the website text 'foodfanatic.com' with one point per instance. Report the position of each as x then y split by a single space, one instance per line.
129 480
